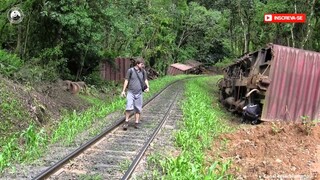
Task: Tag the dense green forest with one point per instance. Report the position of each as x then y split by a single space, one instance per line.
69 38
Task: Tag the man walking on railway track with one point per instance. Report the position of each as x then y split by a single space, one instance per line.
136 82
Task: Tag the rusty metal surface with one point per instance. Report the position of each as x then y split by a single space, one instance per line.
178 68
283 81
294 91
117 71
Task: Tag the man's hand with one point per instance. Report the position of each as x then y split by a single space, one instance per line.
146 90
123 94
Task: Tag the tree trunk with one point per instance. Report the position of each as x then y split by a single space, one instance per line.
247 37
82 59
309 25
245 48
232 43
18 47
292 35
148 44
245 40
183 38
27 35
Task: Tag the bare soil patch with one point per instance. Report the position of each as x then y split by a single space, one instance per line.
271 151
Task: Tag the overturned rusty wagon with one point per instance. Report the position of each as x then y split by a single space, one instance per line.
283 82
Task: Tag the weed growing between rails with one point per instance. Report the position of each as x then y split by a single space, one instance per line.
33 141
202 123
91 177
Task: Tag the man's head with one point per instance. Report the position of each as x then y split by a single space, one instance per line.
139 63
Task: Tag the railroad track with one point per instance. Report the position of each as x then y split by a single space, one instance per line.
115 153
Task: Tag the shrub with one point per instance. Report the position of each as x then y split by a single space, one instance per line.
9 63
95 78
224 62
35 72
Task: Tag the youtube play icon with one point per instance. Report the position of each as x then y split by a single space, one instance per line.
268 17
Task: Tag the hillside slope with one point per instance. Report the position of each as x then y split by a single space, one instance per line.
22 105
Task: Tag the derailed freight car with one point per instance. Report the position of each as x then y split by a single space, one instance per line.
276 83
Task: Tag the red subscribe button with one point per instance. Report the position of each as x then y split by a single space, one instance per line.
285 18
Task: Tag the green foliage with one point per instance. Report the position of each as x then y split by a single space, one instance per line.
9 151
9 63
244 19
34 73
10 107
12 111
80 40
91 177
49 66
30 147
71 37
199 33
95 78
34 141
224 63
308 124
74 123
276 128
201 124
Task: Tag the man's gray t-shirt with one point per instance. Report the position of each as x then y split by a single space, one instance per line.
134 85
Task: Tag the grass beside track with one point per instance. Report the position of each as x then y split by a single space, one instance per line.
33 141
202 122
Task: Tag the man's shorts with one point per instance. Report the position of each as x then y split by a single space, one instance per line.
134 102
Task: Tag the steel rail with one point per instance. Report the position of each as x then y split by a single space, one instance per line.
136 161
51 170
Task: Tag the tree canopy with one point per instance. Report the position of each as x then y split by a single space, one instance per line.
69 38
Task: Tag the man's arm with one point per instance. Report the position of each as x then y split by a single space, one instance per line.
146 82
125 84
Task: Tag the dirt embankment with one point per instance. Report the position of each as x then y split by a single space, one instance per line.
272 151
42 105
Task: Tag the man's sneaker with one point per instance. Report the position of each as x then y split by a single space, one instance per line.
136 125
125 126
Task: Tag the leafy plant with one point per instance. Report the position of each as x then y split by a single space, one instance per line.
9 152
276 128
9 63
125 165
201 124
308 124
91 177
34 141
224 63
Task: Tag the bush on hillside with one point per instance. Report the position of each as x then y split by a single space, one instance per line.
9 63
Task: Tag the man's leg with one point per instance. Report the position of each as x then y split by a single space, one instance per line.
137 116
137 108
129 107
127 115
